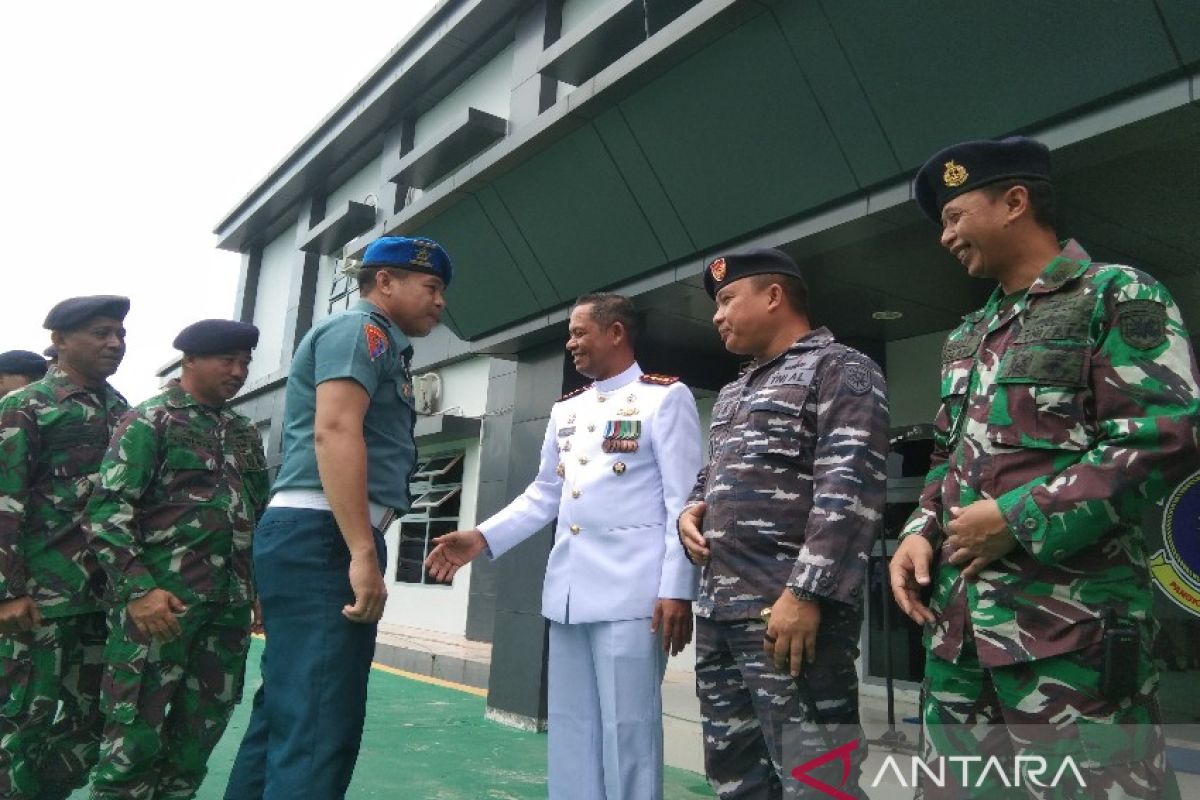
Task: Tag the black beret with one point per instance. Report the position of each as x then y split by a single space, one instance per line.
763 261
969 166
73 312
210 336
50 352
22 362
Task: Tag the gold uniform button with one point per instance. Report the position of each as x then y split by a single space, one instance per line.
601 399
575 493
574 529
583 459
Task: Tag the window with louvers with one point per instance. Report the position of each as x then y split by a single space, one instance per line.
436 488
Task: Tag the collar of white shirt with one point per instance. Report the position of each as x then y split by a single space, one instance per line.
622 379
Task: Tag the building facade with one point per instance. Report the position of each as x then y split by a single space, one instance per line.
557 147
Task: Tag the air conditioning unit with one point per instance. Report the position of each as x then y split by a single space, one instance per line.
427 392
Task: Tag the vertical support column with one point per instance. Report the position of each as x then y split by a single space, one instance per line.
247 290
397 143
533 92
517 685
303 286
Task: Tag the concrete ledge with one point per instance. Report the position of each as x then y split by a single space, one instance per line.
438 655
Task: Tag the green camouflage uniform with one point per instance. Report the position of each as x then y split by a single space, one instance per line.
52 438
1074 406
179 493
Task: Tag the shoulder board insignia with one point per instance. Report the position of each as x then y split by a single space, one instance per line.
381 319
659 380
575 393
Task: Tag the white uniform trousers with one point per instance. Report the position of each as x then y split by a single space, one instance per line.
605 711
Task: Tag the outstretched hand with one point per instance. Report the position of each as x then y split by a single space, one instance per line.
453 552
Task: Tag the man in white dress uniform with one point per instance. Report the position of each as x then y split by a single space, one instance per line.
617 463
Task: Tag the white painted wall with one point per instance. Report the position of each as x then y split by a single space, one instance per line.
364 182
325 268
914 378
488 89
576 12
465 387
281 262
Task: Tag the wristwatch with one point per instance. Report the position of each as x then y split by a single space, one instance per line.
804 594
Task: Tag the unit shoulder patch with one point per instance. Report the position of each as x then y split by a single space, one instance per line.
575 393
659 380
377 340
858 378
1143 323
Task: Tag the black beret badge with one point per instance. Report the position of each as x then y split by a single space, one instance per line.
955 174
718 270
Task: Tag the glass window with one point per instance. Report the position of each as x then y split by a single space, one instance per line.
437 486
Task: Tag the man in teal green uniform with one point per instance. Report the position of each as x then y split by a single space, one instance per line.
348 452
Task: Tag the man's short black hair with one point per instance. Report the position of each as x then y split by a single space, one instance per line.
795 290
609 307
1043 202
366 277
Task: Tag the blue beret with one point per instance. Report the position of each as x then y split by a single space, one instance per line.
22 362
210 336
418 255
50 352
969 166
73 312
763 261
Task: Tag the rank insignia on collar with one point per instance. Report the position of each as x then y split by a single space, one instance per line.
377 341
955 174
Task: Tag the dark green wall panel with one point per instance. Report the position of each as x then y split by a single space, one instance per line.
650 195
544 294
578 215
1183 22
488 290
832 79
938 71
735 136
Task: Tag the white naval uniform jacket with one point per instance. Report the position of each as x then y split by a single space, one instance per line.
616 549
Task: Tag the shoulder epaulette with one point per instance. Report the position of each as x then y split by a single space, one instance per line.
575 393
659 380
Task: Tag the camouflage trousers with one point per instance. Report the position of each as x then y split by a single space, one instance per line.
49 716
1049 711
166 704
760 725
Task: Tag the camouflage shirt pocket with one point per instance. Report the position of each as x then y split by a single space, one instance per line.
191 471
75 450
1042 397
775 424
